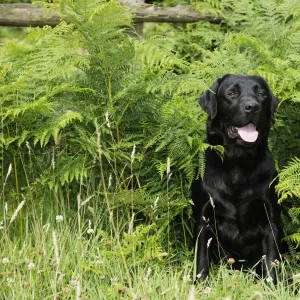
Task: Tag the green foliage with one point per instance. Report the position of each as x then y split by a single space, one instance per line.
289 190
289 180
90 266
88 109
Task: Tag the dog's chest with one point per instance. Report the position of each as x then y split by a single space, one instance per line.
238 198
235 179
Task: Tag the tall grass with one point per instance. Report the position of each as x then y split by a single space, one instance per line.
57 261
92 254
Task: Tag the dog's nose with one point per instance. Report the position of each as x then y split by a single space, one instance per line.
252 107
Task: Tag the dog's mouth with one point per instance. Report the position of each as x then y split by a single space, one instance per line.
247 133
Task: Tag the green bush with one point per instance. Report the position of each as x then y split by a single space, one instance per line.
90 112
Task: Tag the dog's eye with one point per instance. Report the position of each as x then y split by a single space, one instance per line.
261 94
231 93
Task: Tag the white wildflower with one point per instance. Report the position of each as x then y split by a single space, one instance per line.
1 225
90 229
269 279
31 266
186 278
207 291
5 260
10 281
59 218
114 280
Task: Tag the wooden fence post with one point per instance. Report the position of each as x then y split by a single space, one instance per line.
138 26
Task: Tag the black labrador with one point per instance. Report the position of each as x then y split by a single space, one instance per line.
236 213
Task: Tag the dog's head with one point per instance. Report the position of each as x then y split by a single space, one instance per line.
240 108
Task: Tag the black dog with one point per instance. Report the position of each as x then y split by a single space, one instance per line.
235 207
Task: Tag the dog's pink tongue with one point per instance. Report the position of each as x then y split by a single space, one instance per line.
248 133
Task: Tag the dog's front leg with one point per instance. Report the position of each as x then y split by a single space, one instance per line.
203 250
270 249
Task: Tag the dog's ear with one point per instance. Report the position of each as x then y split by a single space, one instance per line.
273 100
208 100
274 104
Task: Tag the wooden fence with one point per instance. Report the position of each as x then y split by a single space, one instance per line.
28 15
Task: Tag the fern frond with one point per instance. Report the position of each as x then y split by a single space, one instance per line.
41 106
53 126
156 53
71 168
289 8
294 238
289 180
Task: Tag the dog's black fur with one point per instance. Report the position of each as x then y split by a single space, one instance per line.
235 207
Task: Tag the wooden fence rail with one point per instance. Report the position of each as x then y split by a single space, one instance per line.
28 15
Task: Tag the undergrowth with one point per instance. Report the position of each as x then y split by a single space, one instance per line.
66 258
102 130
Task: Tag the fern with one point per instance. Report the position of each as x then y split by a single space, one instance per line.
156 53
144 241
294 238
57 81
288 188
289 180
53 126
